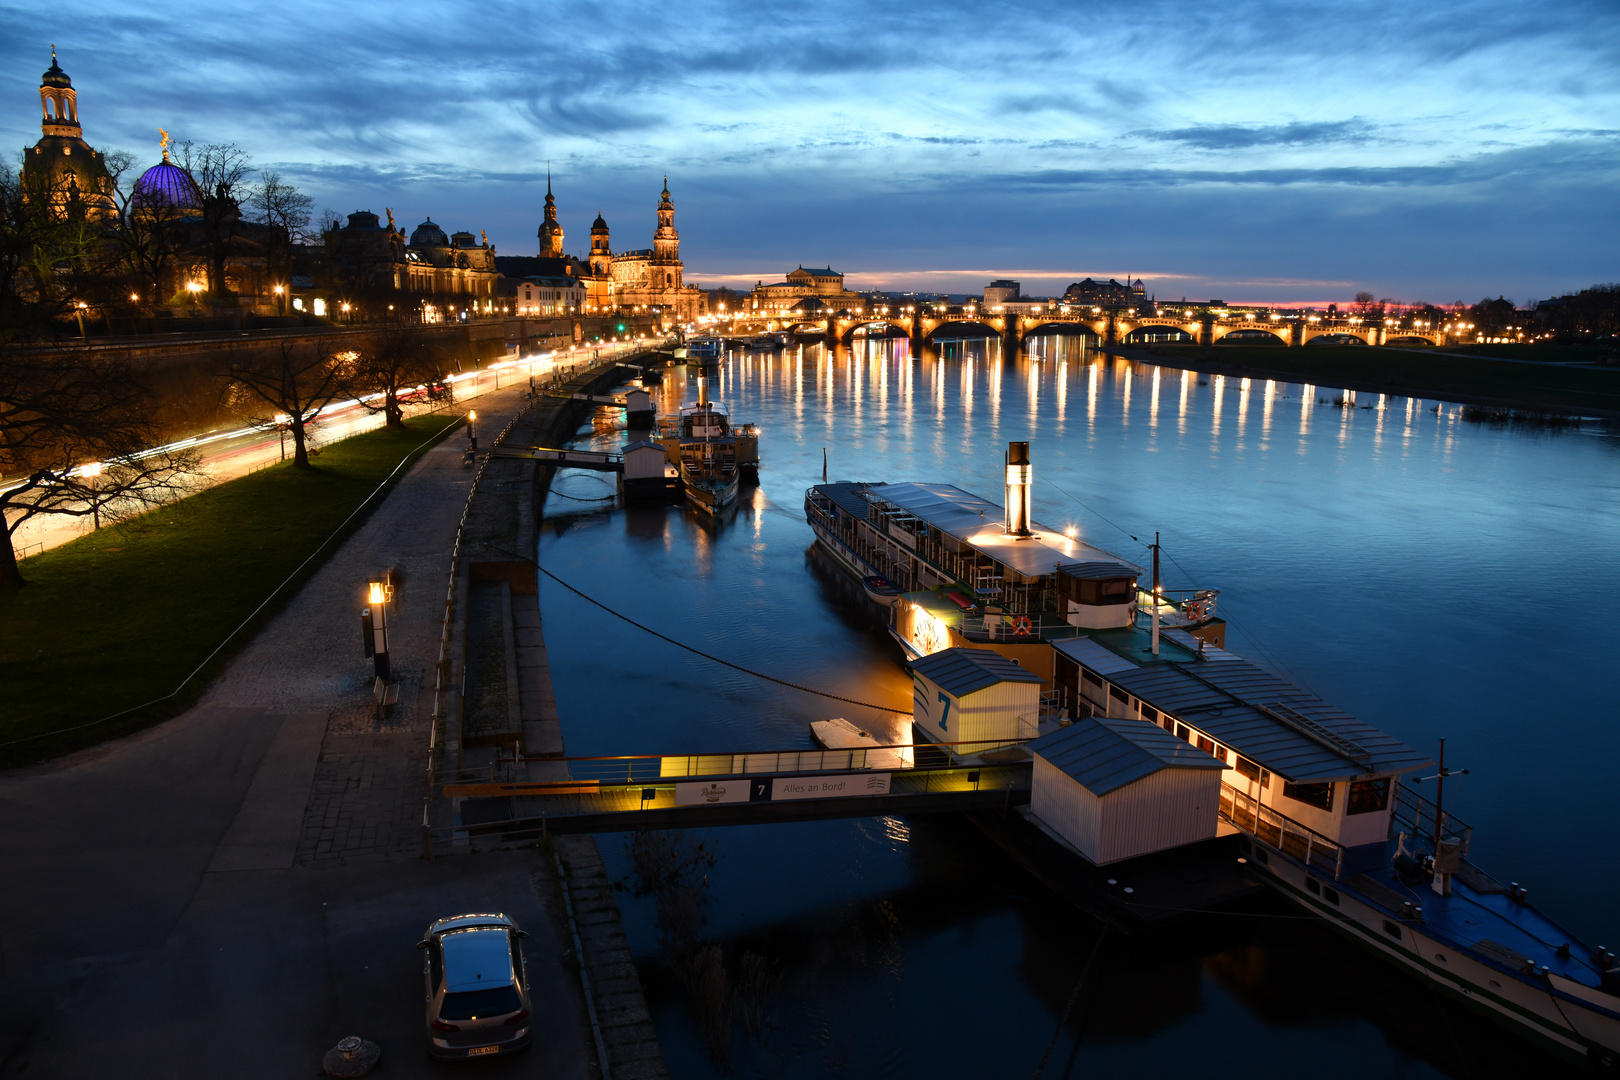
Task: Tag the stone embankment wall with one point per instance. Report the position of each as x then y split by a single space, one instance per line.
498 647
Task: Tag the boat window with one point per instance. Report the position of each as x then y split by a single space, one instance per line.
1149 713
1247 768
1317 795
1392 930
1313 885
1116 588
1440 957
1330 894
1368 796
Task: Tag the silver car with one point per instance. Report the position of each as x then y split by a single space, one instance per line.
477 986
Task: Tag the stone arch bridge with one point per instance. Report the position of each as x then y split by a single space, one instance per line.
1015 328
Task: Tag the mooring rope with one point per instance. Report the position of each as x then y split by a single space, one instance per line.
710 656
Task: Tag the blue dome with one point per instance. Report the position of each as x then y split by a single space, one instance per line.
166 186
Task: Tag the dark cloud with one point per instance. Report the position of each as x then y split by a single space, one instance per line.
1240 137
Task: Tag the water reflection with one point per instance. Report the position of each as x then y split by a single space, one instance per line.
1357 570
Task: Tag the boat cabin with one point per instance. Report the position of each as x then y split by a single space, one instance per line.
1097 595
1302 774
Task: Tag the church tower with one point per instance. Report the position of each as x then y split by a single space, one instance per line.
551 233
61 159
666 241
601 248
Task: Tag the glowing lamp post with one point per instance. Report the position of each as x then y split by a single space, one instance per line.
472 430
374 625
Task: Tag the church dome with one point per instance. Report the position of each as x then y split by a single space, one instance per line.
166 186
429 235
55 76
599 224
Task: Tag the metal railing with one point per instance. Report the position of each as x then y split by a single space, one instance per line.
1280 831
1419 816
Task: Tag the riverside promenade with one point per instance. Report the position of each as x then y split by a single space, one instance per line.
234 890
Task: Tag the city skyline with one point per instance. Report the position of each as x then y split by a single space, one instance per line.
1469 150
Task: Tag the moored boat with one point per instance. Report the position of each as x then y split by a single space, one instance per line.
880 590
1148 740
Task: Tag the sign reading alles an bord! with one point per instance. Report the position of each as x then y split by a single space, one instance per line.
779 788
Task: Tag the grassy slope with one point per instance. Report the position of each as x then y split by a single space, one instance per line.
118 617
1419 373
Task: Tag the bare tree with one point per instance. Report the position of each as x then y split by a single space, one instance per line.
148 238
405 362
47 245
220 171
286 211
77 439
289 387
1364 300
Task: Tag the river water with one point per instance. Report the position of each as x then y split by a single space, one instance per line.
1434 576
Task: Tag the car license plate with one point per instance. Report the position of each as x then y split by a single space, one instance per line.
477 1050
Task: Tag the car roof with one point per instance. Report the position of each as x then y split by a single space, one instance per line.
477 959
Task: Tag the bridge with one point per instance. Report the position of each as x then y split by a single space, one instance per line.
614 794
574 459
1014 329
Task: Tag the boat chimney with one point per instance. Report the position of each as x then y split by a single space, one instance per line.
1018 481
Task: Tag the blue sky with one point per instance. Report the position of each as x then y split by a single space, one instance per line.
1247 151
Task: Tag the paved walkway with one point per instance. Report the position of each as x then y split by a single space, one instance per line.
186 901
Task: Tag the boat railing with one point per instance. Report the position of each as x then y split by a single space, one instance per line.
1418 815
1280 831
1191 605
1010 626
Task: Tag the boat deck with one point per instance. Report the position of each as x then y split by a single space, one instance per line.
1481 917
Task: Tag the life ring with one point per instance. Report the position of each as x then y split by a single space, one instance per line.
1022 626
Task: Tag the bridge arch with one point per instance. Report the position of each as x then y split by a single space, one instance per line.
953 327
1167 333
1338 335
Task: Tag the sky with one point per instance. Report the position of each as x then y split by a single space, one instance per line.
1249 151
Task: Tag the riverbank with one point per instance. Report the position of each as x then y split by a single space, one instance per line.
1446 376
117 619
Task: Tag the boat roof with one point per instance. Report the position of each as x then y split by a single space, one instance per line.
697 407
1288 730
1103 755
1096 656
1098 571
978 521
962 671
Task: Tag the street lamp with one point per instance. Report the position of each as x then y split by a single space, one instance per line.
79 311
281 301
472 431
374 626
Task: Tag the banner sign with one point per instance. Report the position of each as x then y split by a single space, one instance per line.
739 789
829 787
712 792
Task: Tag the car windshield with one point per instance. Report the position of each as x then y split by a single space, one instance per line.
478 1004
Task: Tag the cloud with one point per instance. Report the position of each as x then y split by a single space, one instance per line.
1238 137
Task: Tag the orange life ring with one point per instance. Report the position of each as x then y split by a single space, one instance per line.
1022 626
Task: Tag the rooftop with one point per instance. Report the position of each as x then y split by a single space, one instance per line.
1104 755
964 671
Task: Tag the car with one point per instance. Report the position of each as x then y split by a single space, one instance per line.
477 986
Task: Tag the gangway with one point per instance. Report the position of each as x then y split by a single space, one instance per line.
594 399
574 459
613 794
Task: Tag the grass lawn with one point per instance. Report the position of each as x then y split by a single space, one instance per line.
1542 353
1420 373
117 618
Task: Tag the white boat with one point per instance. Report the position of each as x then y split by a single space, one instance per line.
840 734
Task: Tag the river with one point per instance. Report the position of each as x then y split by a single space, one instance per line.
1433 576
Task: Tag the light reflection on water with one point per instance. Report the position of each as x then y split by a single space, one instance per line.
1430 575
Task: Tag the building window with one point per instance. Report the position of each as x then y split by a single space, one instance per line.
1317 795
1090 678
1169 723
1206 745
1368 796
1182 732
1119 695
1149 713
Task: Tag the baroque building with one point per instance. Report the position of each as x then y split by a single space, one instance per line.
804 290
643 277
369 257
